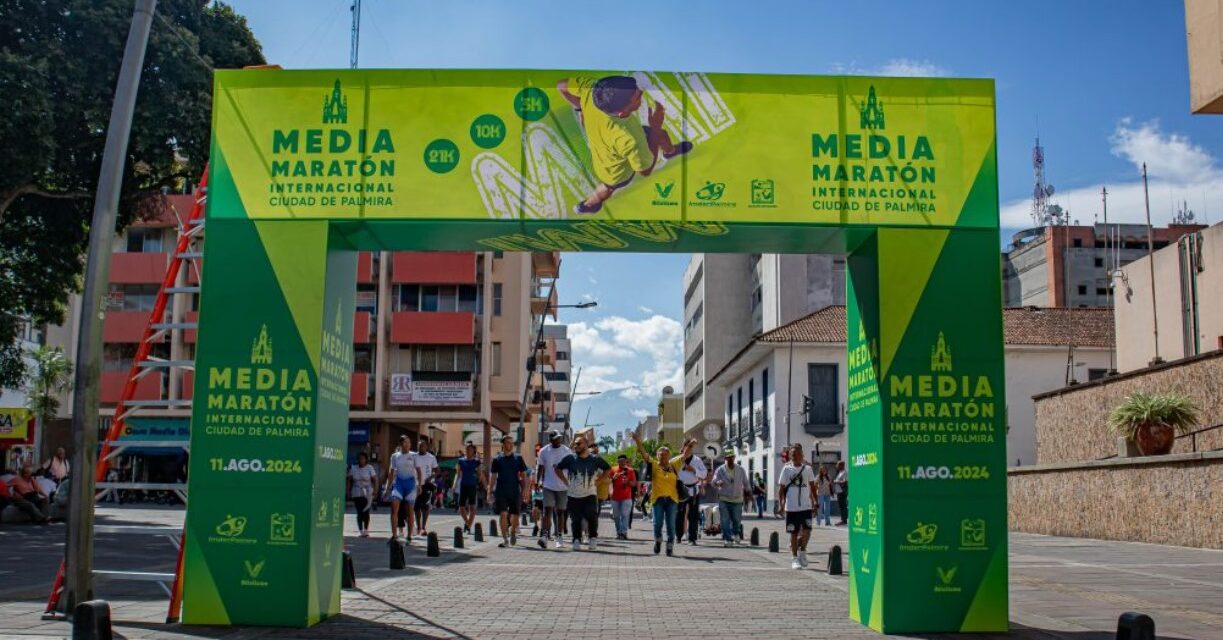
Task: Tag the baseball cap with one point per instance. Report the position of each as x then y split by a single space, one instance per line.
728 453
554 435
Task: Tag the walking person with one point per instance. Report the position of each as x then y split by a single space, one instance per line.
692 474
401 483
760 493
823 490
426 462
362 478
842 488
730 480
506 489
664 492
796 495
556 490
623 488
581 471
468 483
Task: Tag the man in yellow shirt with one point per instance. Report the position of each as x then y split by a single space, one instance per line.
664 474
620 146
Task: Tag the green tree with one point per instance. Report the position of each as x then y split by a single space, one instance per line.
59 60
48 379
607 443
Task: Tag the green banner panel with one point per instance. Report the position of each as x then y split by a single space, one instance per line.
927 446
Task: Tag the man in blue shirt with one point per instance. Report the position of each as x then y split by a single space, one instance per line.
506 493
469 485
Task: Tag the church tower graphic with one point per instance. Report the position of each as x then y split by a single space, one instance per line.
940 355
870 115
261 348
335 106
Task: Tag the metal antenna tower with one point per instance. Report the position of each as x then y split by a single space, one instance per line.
356 34
1041 213
1184 215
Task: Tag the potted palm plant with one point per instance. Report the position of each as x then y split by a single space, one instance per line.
1152 420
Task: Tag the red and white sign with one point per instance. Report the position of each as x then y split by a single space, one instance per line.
407 392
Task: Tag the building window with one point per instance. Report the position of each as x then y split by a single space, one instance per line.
1099 262
757 297
1077 242
132 297
140 240
751 403
1096 374
730 414
363 359
560 396
822 389
556 376
739 416
432 298
496 357
1082 289
497 255
447 357
764 397
562 355
1101 291
407 298
496 298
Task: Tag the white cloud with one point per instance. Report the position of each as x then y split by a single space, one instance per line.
1178 170
641 414
896 67
1169 156
653 344
909 68
589 344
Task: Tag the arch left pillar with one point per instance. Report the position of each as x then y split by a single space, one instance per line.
269 425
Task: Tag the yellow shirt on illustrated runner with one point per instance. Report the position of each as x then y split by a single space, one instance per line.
618 146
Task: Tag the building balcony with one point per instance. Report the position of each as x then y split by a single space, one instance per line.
362 327
138 268
365 268
124 326
541 301
359 390
112 383
436 267
441 327
546 264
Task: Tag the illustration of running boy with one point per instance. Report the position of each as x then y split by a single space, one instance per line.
619 144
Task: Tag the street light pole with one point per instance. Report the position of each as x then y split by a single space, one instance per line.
78 575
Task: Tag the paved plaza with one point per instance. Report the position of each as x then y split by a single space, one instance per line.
1061 588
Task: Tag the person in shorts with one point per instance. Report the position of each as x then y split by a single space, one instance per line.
424 502
796 488
620 146
401 484
468 484
556 490
508 475
582 471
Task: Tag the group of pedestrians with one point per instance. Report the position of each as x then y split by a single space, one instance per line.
571 483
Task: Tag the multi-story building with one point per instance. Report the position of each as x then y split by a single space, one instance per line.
728 298
19 436
1187 306
557 378
1204 28
1069 266
440 340
670 417
764 384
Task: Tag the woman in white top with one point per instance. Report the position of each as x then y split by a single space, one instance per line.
361 480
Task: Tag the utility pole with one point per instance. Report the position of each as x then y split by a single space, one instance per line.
78 575
355 51
1146 196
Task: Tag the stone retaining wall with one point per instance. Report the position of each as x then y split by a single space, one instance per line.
1175 499
1072 423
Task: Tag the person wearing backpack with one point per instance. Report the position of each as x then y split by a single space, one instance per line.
796 490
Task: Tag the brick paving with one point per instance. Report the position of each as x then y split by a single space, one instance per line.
1061 588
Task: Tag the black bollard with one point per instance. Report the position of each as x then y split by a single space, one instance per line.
432 549
458 537
755 537
91 621
774 543
834 560
492 528
479 534
397 560
1135 626
348 572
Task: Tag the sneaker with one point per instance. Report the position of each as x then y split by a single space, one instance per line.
594 544
504 544
559 543
795 564
582 208
467 529
658 546
670 549
575 545
364 534
543 542
726 543
802 558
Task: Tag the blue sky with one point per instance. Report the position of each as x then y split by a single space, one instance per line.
1104 83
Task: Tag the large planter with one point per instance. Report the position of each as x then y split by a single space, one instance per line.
1154 439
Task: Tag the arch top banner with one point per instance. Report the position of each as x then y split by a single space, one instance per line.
551 146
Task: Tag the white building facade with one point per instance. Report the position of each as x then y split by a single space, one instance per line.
763 386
